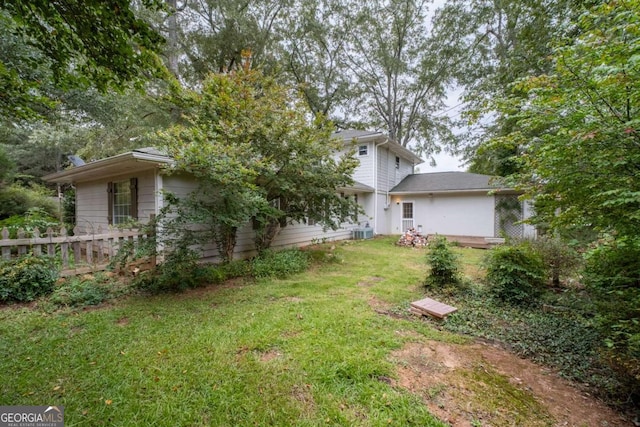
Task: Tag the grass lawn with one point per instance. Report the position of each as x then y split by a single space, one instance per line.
308 350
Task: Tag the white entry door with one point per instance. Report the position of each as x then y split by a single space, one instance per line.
407 216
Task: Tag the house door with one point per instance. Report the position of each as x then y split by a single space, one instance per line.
407 216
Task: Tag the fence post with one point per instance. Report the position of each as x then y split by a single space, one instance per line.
51 247
64 248
100 246
6 250
37 246
22 249
152 237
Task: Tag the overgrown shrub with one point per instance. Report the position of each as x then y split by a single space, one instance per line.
279 263
34 218
443 264
179 271
27 278
559 258
234 269
17 200
515 274
612 274
79 292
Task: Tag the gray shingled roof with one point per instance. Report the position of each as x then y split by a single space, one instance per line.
446 181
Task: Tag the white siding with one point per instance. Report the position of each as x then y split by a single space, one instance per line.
364 172
456 215
381 221
406 169
386 170
92 200
180 185
289 236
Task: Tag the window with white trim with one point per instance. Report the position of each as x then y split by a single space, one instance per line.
363 150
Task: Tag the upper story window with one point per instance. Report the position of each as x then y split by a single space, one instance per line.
397 162
363 150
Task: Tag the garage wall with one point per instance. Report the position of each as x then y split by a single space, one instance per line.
456 215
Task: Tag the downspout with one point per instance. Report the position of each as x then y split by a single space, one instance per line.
375 184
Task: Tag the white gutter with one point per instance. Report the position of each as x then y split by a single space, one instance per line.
375 184
104 163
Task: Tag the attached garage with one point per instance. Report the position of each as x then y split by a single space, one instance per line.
457 204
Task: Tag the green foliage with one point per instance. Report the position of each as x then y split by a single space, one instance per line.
179 271
26 278
578 125
515 274
564 339
83 43
257 156
234 269
82 291
443 264
16 200
400 71
69 207
6 167
34 218
612 274
560 259
279 264
495 44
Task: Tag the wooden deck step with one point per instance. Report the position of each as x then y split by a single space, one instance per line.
471 241
432 307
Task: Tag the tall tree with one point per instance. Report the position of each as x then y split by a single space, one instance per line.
83 43
499 43
585 161
314 53
579 131
259 156
401 73
212 34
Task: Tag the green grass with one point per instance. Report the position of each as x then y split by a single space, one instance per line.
312 349
307 350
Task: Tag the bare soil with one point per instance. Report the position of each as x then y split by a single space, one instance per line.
481 384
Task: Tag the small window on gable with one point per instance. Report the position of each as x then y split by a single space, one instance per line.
363 150
311 221
397 162
123 201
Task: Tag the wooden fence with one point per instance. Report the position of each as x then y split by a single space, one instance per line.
79 253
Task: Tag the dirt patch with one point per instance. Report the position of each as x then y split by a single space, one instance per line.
370 282
481 384
268 356
123 321
302 394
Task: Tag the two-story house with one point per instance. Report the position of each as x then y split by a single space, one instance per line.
130 185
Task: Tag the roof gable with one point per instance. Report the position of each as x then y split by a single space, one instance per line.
350 135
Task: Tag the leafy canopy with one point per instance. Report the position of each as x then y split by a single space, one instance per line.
582 168
82 42
258 155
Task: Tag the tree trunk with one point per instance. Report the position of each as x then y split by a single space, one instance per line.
226 243
265 235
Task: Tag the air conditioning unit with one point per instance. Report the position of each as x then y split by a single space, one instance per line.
362 233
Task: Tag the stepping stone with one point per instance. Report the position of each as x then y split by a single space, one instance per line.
432 307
